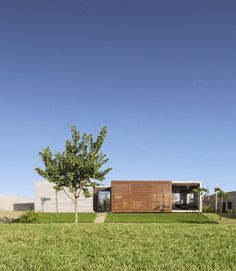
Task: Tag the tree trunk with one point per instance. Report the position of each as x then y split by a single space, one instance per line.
76 211
221 208
56 201
216 204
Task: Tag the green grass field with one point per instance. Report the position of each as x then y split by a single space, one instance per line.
157 218
224 220
138 247
56 218
117 218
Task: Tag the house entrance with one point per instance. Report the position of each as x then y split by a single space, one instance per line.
102 199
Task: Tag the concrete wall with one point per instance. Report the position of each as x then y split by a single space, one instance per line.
211 200
13 203
232 198
45 199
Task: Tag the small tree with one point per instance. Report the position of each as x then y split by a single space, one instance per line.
222 196
77 166
200 192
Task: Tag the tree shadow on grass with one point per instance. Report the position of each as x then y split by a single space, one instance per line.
196 222
7 219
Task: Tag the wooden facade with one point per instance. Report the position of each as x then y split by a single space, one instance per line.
141 196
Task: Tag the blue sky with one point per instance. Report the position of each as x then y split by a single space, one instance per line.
159 74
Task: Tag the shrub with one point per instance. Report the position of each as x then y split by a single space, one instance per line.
207 209
231 211
28 217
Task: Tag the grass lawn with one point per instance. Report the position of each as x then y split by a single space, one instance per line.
137 247
223 220
158 218
59 218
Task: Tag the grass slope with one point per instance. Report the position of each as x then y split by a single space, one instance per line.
138 247
9 216
56 218
223 220
157 218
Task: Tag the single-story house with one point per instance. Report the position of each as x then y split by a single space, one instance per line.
123 196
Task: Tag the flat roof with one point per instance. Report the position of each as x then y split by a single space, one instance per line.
102 186
141 181
174 182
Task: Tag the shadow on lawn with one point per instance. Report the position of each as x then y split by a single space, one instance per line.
6 219
196 222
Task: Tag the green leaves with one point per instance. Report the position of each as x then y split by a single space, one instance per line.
201 190
220 193
78 165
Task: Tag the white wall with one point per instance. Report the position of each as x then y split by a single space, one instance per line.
45 199
7 202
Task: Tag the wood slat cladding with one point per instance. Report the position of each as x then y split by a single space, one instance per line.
141 196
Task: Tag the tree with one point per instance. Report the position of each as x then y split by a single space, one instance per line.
57 189
200 192
77 167
222 196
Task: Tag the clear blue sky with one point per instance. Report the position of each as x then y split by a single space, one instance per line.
161 75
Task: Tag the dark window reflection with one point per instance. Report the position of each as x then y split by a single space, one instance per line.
104 201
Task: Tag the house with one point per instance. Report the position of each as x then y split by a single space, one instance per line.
229 203
123 196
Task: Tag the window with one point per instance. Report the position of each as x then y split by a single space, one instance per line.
104 201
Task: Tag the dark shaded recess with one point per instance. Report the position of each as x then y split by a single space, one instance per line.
23 206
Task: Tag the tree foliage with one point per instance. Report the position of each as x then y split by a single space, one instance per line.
78 167
201 190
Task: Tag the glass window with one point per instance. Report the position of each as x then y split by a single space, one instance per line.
104 200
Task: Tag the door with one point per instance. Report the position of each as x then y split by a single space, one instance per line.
104 201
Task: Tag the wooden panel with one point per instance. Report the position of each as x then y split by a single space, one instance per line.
141 196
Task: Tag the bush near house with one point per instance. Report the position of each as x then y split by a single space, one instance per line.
28 217
207 209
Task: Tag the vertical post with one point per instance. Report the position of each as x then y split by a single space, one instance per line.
200 199
200 202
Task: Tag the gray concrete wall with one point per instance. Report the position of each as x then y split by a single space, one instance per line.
14 203
232 198
211 200
45 199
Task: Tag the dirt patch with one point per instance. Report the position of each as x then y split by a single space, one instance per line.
8 216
